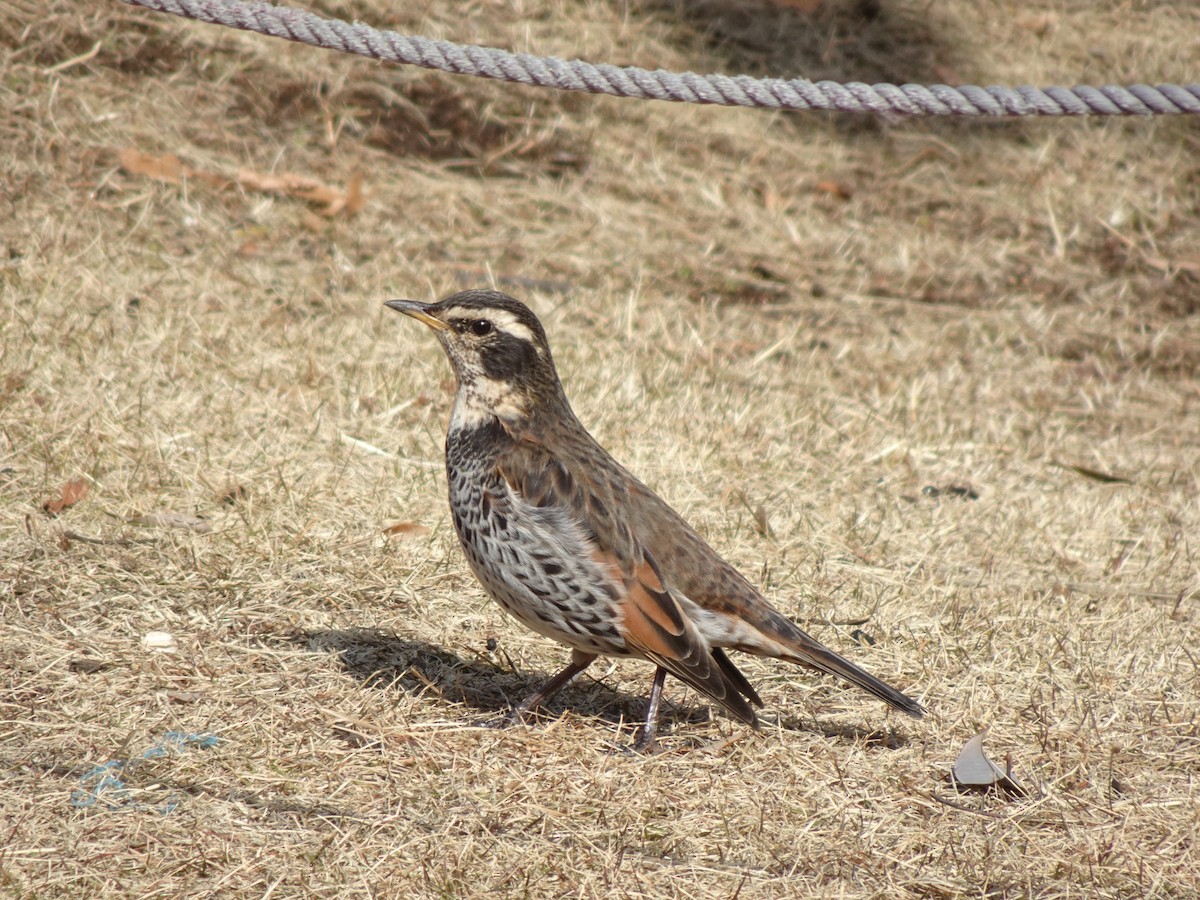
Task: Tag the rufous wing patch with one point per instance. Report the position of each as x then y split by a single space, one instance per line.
654 621
656 603
655 625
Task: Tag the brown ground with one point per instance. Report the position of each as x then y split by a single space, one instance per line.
908 346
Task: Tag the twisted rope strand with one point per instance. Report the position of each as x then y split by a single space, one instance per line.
687 87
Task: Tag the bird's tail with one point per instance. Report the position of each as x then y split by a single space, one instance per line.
803 650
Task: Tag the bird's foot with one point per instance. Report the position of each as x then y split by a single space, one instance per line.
646 743
510 718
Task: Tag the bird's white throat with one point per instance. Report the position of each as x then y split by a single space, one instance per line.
481 399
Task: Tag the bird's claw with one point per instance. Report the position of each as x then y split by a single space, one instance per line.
510 718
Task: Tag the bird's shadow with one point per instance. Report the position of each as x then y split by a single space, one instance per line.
843 40
867 41
385 661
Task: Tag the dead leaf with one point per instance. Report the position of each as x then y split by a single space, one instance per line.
294 185
834 189
333 199
974 771
353 200
403 529
356 197
171 169
72 492
167 518
168 167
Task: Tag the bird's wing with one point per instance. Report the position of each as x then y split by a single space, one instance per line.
694 568
654 623
657 627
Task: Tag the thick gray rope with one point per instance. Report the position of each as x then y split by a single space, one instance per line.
687 87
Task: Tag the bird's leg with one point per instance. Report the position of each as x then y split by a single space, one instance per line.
647 737
579 662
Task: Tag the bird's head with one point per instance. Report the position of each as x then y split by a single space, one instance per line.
498 349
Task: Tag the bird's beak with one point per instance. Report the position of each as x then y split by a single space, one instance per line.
418 311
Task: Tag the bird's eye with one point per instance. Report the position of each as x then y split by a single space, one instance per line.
481 327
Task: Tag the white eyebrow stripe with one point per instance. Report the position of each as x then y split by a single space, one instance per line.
501 318
510 324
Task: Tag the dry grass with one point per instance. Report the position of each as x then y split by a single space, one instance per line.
974 304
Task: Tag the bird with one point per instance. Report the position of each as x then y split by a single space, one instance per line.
579 550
